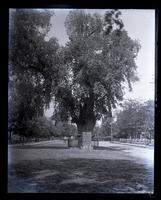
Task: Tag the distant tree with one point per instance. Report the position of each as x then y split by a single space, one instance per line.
149 123
135 118
96 132
106 126
63 129
97 60
40 127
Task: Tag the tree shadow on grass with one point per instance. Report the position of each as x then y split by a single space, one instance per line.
80 175
41 147
113 148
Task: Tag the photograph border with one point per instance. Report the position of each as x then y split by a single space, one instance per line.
4 88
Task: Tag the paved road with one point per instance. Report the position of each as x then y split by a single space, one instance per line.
139 153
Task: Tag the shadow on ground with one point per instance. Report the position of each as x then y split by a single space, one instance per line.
80 176
66 147
41 147
110 148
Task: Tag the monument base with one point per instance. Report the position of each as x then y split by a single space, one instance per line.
86 141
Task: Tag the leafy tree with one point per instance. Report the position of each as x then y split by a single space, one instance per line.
135 118
149 115
32 66
128 119
65 129
32 58
104 130
97 60
40 127
85 77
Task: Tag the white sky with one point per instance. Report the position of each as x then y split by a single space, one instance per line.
140 24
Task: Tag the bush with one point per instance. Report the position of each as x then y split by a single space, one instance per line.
63 129
40 127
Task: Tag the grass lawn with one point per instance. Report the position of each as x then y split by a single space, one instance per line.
80 175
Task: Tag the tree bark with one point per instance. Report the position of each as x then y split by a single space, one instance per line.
87 126
86 120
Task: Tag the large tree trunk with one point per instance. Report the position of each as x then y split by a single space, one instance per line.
86 120
87 126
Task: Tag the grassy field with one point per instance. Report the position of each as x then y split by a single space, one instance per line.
79 172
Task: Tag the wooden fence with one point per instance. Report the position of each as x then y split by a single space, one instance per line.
136 141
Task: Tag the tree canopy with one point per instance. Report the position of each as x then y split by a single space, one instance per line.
135 118
32 58
85 77
32 65
98 59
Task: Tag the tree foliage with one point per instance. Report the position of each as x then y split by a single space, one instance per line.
32 58
135 118
39 127
32 65
85 77
98 59
64 129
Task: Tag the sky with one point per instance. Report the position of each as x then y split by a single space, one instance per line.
140 25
